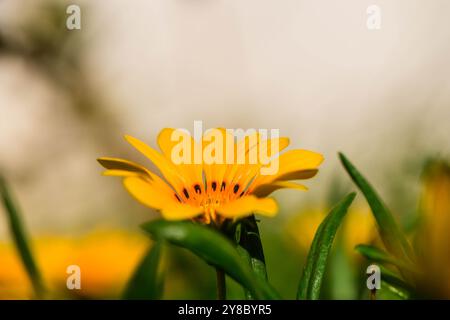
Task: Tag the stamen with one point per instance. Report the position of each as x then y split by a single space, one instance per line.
186 194
197 189
222 187
236 188
178 198
214 185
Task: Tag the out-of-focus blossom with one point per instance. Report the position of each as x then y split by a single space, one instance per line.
433 237
106 259
303 226
358 227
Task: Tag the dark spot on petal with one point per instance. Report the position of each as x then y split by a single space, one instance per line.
242 193
178 198
214 185
222 187
236 188
186 194
197 189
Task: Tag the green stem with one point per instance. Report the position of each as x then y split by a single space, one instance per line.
373 294
221 286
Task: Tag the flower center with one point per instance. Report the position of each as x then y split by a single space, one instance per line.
210 197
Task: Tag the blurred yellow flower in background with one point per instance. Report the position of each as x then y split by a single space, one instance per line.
433 237
14 283
302 227
106 259
226 188
358 227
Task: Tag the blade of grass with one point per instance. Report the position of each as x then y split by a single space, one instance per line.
311 281
147 280
214 248
20 238
393 238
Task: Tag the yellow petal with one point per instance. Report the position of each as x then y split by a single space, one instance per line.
298 175
279 144
180 211
248 205
165 142
122 165
120 173
191 171
150 195
266 189
161 199
293 165
124 168
217 139
249 171
166 168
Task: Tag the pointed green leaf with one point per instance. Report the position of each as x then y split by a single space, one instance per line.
311 281
400 293
21 239
212 247
147 280
393 238
250 241
377 255
245 256
395 280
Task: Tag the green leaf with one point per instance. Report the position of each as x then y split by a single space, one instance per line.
395 280
311 281
398 292
212 247
377 255
147 280
20 238
250 242
391 278
393 238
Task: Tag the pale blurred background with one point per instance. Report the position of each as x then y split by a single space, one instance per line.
310 68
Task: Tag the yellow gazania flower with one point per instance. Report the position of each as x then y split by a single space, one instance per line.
212 192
